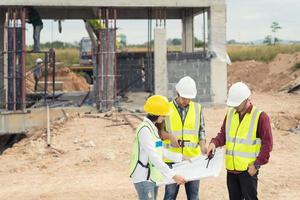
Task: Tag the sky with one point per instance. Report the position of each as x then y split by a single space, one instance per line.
247 20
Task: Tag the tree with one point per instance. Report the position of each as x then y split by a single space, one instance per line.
268 40
275 27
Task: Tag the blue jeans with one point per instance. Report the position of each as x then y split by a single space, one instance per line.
146 190
36 37
191 190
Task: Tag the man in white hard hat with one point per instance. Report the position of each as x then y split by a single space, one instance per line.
37 72
247 135
184 133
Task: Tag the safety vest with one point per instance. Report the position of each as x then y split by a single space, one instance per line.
242 146
187 130
153 173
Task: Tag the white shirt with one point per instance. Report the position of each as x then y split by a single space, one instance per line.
148 152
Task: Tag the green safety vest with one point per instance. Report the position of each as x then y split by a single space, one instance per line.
242 146
187 130
153 174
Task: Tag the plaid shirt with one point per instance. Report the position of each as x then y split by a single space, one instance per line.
183 112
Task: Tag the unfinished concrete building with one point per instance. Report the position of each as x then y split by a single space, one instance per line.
155 71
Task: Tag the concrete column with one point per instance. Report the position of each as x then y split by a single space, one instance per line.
2 68
217 43
187 30
160 62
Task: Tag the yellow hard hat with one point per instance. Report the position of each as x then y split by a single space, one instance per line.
157 105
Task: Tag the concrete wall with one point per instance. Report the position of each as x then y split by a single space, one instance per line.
194 65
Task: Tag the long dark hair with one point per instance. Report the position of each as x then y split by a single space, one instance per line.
152 118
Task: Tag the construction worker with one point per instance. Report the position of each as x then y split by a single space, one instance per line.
246 133
147 166
37 72
34 18
184 133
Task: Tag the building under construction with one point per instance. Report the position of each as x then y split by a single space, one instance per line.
155 71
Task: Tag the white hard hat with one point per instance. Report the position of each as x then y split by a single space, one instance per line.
186 87
237 93
39 60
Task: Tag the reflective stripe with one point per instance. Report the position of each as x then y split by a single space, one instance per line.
190 144
252 124
241 154
186 144
243 141
229 120
197 118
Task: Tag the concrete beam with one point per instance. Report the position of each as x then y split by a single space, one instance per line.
89 13
115 3
217 43
187 30
22 122
160 62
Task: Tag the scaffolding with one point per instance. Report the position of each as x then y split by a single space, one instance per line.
16 62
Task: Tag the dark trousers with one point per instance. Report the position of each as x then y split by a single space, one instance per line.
242 186
36 81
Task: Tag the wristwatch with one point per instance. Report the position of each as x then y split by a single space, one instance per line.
257 166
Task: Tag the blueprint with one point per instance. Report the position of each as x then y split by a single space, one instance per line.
195 169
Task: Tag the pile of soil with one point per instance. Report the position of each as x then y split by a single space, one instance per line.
266 77
72 81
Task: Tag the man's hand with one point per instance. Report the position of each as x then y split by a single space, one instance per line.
203 147
167 136
186 158
211 148
179 179
252 170
174 140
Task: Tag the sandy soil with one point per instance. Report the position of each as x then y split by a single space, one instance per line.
92 157
266 77
71 80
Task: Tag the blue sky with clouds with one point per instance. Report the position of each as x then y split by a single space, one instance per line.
246 20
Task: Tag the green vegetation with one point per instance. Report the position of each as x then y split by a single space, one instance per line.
69 56
259 53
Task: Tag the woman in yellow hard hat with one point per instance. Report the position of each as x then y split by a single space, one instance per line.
147 166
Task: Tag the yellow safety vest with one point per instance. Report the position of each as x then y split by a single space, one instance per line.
242 145
187 131
154 174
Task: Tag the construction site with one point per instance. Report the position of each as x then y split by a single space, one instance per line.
70 137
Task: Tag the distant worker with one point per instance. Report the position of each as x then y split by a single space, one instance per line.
147 166
246 133
37 72
34 18
184 133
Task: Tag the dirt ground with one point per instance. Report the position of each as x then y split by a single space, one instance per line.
91 158
71 81
271 77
